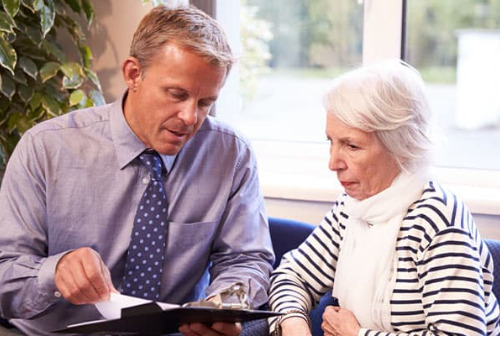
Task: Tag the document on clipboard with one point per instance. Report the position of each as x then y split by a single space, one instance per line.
135 316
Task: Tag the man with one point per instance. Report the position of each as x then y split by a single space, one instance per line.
74 184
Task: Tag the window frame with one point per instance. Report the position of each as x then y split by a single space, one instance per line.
299 171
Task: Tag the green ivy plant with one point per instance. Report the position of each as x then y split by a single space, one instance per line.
38 80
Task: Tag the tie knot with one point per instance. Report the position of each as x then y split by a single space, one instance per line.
153 162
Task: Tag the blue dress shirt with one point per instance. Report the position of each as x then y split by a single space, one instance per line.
75 181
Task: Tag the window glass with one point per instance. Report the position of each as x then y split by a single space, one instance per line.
290 50
456 46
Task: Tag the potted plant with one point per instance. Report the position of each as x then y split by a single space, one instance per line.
38 80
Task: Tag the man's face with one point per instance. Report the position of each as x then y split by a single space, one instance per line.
166 106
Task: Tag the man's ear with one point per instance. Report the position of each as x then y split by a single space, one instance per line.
131 71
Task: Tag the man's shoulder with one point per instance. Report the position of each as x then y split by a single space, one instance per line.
217 129
77 119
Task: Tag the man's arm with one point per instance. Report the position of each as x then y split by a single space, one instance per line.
26 272
242 252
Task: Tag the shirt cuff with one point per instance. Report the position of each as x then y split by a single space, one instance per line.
46 276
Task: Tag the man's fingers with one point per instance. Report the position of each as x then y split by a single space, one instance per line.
227 329
97 275
82 277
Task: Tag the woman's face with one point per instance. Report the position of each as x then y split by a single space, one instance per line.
364 167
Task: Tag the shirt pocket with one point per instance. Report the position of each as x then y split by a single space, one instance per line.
190 241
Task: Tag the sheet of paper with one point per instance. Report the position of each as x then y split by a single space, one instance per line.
112 308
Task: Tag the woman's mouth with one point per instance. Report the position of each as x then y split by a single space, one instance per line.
346 184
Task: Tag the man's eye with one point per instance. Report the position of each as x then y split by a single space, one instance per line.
178 95
205 104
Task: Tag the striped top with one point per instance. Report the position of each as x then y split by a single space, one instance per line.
444 275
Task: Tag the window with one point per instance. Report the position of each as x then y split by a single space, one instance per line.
290 49
456 46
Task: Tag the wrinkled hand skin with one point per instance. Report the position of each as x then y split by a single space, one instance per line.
339 322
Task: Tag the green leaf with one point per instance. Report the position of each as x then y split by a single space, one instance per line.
49 70
33 34
25 92
88 10
51 106
36 101
6 23
38 5
76 97
19 77
11 7
93 77
48 14
8 87
97 97
72 82
13 120
24 124
28 66
33 5
71 69
30 4
86 56
75 6
8 56
54 50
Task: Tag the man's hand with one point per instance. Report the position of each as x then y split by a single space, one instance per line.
339 322
216 329
82 278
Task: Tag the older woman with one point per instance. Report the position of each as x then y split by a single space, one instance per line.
400 251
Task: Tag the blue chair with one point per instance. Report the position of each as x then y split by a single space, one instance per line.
494 248
286 235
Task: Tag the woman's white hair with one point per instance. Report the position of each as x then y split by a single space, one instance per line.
388 99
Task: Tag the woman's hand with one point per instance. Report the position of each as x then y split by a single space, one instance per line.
295 326
339 322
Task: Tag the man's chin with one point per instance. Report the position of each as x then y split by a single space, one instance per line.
169 149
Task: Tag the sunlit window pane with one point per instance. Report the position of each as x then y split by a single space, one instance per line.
456 46
291 49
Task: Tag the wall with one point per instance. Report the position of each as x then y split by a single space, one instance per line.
110 40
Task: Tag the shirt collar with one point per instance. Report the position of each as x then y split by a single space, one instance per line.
127 144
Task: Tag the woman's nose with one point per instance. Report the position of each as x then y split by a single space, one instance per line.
336 162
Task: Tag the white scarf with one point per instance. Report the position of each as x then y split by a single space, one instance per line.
365 275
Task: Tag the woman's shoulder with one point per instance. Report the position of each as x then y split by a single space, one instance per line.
438 211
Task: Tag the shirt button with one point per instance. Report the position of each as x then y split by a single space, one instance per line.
57 294
145 180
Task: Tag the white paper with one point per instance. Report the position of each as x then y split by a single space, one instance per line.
112 308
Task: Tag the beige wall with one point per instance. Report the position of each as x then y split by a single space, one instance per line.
110 39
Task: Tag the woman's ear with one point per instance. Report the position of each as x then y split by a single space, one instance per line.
131 71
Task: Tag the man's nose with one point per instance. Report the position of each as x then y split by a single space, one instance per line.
189 113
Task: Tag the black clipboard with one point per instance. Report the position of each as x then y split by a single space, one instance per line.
150 319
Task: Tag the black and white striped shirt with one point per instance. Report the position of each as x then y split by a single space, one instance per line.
444 276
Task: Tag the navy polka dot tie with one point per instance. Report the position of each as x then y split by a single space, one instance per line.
143 268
